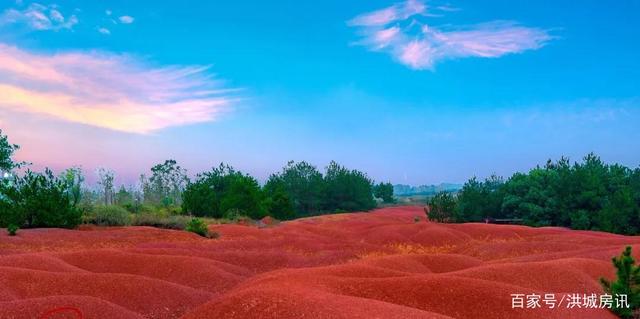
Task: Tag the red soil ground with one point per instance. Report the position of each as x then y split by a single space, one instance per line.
368 265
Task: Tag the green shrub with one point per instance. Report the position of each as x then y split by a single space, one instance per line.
155 220
111 215
138 208
233 215
441 207
196 225
38 200
12 229
222 189
277 203
384 191
626 283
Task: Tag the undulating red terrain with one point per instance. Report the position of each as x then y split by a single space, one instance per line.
369 265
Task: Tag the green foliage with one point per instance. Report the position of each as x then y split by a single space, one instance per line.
73 178
38 200
301 190
277 203
349 190
220 190
588 195
6 153
111 215
12 229
580 220
302 183
442 207
196 225
160 221
124 197
627 283
478 200
166 184
384 191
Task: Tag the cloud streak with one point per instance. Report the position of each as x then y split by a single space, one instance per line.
402 31
38 17
126 19
117 92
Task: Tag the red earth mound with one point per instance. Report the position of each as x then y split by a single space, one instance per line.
382 264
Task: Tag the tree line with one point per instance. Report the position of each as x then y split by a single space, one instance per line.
33 199
587 195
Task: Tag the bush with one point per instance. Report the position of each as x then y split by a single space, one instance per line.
196 225
155 220
303 185
111 215
220 190
384 191
138 208
38 200
345 189
12 229
441 208
627 283
277 202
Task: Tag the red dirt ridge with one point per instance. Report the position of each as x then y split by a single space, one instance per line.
381 264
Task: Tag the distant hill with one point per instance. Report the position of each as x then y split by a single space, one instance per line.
408 190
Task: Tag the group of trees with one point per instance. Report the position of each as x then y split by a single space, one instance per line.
34 199
586 195
298 190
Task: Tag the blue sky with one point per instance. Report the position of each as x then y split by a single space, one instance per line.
410 92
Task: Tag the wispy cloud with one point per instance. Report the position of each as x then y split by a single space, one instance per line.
117 92
38 17
402 30
126 19
104 31
396 12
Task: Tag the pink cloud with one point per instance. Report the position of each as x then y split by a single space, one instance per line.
117 92
394 30
490 40
417 54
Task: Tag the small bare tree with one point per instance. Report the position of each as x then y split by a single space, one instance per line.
105 179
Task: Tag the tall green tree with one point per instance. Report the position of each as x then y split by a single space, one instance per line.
479 200
277 202
221 191
166 184
74 179
384 191
347 190
303 185
442 207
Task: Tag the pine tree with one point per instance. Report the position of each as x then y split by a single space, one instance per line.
626 283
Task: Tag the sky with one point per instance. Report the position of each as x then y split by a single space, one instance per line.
413 92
